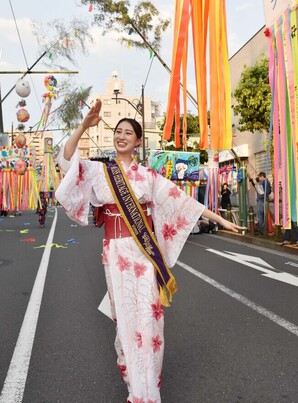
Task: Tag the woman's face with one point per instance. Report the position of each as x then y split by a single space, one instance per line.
125 138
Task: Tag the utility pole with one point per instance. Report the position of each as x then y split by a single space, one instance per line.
143 125
1 115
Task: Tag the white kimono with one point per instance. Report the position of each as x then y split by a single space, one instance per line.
130 276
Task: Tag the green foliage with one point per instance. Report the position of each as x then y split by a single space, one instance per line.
192 125
70 111
253 98
61 41
192 131
118 16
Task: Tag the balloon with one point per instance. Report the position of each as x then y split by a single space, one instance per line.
23 115
20 167
23 88
20 141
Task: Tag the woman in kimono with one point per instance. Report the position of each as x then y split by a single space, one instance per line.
136 261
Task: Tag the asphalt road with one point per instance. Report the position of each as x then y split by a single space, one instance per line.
231 333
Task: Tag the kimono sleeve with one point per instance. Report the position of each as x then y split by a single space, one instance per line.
75 188
174 215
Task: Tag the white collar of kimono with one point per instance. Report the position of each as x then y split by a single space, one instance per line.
132 164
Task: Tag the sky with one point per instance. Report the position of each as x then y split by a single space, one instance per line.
244 19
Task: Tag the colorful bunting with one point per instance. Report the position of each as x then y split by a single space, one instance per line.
283 77
201 13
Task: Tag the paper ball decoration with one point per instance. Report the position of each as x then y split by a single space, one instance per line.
23 115
20 166
20 141
23 88
50 83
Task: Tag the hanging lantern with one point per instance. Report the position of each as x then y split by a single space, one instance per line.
20 167
23 88
20 141
23 115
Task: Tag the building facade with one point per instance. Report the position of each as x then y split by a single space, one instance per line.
116 105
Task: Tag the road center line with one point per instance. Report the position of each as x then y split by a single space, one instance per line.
291 327
14 385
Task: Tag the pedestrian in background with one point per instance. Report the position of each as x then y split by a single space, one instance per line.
287 238
42 209
263 188
137 261
225 196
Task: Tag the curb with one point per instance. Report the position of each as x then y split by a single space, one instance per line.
265 243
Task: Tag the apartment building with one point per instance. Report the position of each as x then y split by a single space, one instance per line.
117 104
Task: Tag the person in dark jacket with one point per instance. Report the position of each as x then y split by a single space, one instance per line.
263 188
225 196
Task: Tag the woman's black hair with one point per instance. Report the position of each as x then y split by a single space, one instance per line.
135 125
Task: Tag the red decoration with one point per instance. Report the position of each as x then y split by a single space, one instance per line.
23 115
20 141
267 32
20 167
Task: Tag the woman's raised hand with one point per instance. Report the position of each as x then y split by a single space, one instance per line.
92 118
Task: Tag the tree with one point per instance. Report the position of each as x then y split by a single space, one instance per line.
143 20
192 131
62 42
253 98
70 112
134 26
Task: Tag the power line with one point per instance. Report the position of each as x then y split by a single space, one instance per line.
23 50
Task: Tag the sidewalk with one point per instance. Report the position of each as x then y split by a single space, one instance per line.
268 242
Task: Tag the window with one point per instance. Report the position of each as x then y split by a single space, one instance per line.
263 162
107 114
107 139
107 102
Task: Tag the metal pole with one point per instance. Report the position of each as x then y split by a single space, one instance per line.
12 135
189 95
143 125
1 115
242 196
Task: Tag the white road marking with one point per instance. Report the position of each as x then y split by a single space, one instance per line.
292 264
272 273
14 385
291 327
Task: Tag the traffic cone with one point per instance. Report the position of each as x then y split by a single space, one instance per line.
270 222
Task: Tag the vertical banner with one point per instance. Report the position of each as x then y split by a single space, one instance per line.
49 180
202 14
282 33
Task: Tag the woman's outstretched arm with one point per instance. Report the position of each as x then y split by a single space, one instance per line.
221 221
92 119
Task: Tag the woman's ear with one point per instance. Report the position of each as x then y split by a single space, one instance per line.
138 143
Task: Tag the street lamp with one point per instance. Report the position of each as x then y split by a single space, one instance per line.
139 108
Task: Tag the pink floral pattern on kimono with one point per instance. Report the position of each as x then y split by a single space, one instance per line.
130 276
169 231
